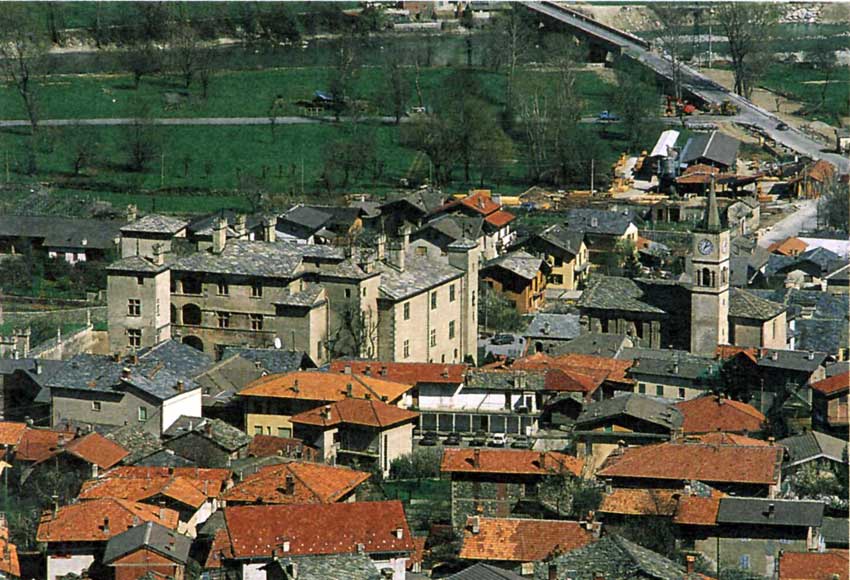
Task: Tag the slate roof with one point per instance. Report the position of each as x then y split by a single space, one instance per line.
426 201
553 326
616 293
330 566
667 363
217 431
271 359
203 226
757 511
821 335
245 258
614 557
455 226
506 380
136 264
60 232
566 239
508 461
745 304
517 262
593 343
520 540
613 223
152 536
794 360
419 275
307 297
629 405
836 532
815 445
164 458
155 224
715 146
482 571
311 483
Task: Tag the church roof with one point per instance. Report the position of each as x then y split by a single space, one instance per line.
616 293
743 304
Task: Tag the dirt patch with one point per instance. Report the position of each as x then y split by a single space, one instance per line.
630 18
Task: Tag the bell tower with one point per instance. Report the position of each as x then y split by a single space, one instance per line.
710 290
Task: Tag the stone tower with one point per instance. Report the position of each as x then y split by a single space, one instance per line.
710 291
466 255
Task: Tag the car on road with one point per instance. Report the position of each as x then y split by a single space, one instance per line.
429 439
502 339
453 439
498 440
607 116
521 442
781 126
479 439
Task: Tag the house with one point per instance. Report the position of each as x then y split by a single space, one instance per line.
271 401
518 277
148 548
358 431
437 234
328 566
272 446
671 374
565 252
190 492
637 419
548 332
828 565
750 533
153 387
23 388
10 565
838 281
302 224
829 403
715 149
752 471
76 535
604 231
207 442
713 413
788 247
496 227
481 571
140 236
38 444
812 446
814 180
598 377
515 544
87 456
200 230
614 557
254 536
495 483
138 442
622 505
70 239
295 482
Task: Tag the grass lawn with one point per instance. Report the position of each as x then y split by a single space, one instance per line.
799 82
408 489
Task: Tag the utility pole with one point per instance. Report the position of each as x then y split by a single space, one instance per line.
162 169
592 163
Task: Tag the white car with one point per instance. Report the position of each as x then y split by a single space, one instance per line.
498 440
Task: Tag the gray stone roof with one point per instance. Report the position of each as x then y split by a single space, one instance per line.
821 335
309 219
632 405
136 264
60 232
715 146
554 326
597 343
745 304
835 532
348 269
614 557
455 226
307 297
505 380
152 536
842 274
419 275
668 363
753 511
599 221
814 445
329 567
272 360
136 440
616 293
165 458
203 226
518 262
482 571
246 258
566 239
222 434
794 360
155 224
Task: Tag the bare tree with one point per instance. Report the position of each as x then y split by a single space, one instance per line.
672 19
22 52
356 332
747 26
513 38
186 48
141 139
822 56
398 83
141 59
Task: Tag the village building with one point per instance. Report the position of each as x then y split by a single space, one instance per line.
829 403
518 277
296 483
605 232
715 149
70 239
715 413
148 549
205 441
566 254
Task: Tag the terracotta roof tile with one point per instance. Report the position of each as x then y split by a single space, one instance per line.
11 432
311 483
562 376
87 521
521 540
418 555
320 386
697 461
500 218
833 385
479 201
698 510
721 438
508 461
39 444
9 563
406 373
336 528
96 449
829 565
727 351
640 502
713 413
270 445
788 247
187 485
612 369
351 411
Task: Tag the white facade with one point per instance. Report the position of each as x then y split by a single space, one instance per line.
58 566
187 403
461 398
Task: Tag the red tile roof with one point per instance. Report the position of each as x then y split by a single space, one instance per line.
511 461
500 218
727 351
311 483
640 502
561 376
479 201
596 366
418 555
697 461
39 444
698 510
713 413
788 247
187 485
364 412
9 563
833 385
407 373
721 438
11 432
521 540
96 449
821 171
87 521
270 445
321 386
829 565
335 528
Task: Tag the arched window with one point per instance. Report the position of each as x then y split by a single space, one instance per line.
713 279
706 277
192 315
174 315
724 276
194 342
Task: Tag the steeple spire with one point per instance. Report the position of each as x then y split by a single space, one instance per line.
712 214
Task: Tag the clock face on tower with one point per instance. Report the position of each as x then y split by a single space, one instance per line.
705 247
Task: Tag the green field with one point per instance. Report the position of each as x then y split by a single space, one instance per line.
800 82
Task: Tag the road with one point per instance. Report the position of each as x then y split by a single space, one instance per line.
803 219
116 121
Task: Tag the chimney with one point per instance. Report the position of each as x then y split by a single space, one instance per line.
180 386
771 510
285 546
240 226
399 533
55 505
208 427
106 526
553 572
774 355
771 441
347 369
381 246
811 355
134 359
542 460
132 213
476 458
38 369
476 524
125 373
219 235
690 561
349 390
292 571
326 412
158 254
269 228
290 484
398 248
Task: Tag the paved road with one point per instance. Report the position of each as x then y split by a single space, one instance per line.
187 121
803 219
695 83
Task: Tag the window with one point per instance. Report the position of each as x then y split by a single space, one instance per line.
223 289
642 388
473 299
96 406
320 350
659 390
256 291
348 292
134 337
421 251
407 310
258 429
134 307
681 392
224 320
406 349
559 261
157 307
433 300
140 280
143 413
433 337
284 432
452 293
744 562
452 329
256 322
555 279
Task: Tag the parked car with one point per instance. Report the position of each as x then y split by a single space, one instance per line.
479 439
781 126
498 440
502 339
452 439
429 439
608 116
521 442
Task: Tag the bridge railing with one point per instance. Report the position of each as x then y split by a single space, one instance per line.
576 14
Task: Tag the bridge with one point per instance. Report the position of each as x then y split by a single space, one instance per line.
693 82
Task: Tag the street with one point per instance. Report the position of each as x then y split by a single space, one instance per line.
803 219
